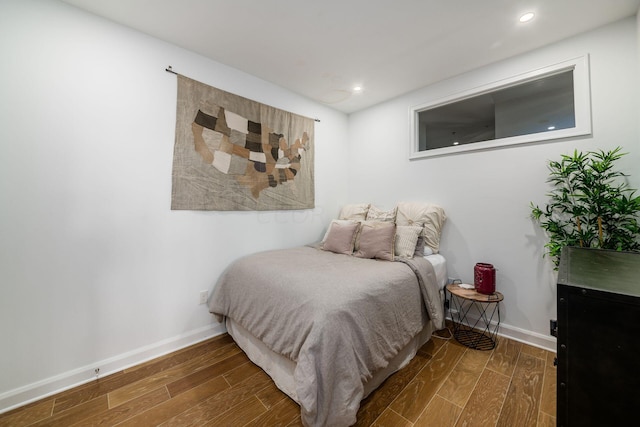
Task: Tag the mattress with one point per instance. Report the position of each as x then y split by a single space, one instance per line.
439 264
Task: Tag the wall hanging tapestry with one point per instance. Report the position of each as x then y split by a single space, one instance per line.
232 153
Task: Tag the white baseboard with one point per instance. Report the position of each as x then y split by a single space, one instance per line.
50 386
546 342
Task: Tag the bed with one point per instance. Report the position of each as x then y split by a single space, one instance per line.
329 322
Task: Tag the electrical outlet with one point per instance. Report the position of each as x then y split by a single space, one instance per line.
203 297
553 328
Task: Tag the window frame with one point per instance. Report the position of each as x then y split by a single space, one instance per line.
582 107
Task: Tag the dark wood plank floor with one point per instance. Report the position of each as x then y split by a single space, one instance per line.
214 384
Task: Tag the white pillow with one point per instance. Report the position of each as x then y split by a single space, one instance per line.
430 217
406 240
356 212
375 214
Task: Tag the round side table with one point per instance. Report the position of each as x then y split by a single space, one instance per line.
475 317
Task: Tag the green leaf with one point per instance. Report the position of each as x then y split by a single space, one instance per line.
587 188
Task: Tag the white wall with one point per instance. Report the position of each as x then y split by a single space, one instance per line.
96 271
486 194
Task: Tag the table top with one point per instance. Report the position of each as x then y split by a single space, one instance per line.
471 294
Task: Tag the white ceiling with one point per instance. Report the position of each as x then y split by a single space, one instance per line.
322 48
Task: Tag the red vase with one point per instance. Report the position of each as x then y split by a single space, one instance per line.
484 278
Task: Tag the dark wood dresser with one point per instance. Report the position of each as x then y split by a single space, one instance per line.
598 382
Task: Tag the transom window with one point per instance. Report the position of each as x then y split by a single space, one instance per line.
545 104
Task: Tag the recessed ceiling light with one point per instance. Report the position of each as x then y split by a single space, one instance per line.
357 88
527 17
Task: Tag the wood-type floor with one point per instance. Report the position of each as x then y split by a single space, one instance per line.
214 384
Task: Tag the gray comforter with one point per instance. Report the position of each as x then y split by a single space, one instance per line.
340 318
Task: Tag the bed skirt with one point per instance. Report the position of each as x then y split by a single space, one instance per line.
281 369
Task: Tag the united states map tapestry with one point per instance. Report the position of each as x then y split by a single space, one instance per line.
233 154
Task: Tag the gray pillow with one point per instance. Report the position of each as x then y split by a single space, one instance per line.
419 247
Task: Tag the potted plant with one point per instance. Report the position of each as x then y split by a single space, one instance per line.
590 205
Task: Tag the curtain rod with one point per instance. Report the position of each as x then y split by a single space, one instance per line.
170 70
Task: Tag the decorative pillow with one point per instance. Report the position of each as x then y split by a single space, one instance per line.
420 246
430 217
339 221
356 212
341 237
374 224
375 214
376 240
406 240
422 249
